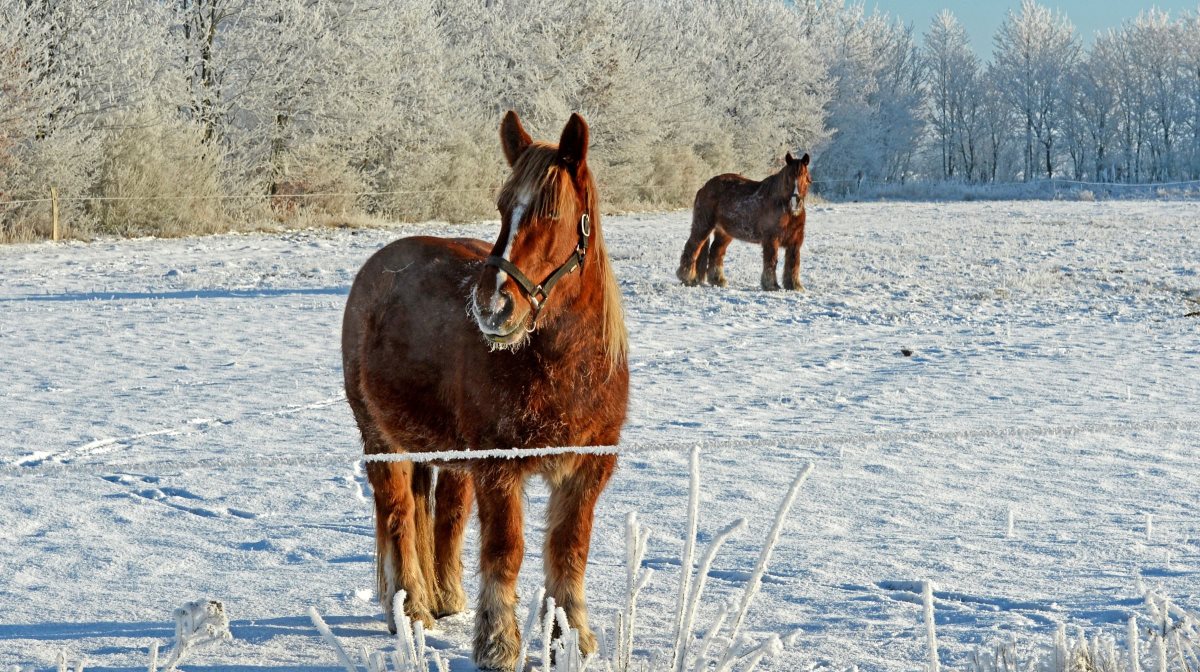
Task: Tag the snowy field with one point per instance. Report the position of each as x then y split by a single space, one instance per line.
173 428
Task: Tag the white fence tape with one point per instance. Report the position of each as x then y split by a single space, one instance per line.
804 445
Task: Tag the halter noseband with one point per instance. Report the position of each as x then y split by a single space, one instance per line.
538 293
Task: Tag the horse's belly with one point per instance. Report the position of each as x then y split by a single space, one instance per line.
743 229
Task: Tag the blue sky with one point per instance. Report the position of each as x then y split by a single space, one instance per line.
981 18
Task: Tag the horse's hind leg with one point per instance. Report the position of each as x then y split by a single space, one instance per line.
716 258
501 549
396 558
702 228
454 495
702 260
569 537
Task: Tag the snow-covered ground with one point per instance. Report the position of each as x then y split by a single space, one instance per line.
1054 372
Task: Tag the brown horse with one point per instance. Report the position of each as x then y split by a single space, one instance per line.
770 212
448 345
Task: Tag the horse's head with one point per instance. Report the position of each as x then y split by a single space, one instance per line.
546 211
797 175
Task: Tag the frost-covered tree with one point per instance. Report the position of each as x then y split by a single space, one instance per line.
875 114
1093 122
1190 67
953 72
71 70
999 128
1155 46
1034 52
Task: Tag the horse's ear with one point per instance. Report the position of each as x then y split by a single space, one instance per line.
513 137
573 145
788 159
804 159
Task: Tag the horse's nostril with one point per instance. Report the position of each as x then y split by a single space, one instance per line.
502 304
499 309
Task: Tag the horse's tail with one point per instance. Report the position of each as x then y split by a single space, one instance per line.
703 223
422 490
693 262
702 258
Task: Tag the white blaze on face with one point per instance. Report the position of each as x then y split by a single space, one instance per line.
517 214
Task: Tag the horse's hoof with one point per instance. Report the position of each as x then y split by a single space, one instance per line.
414 614
496 654
718 281
770 288
688 279
450 602
794 286
497 642
423 615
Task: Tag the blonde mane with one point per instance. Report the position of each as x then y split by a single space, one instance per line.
538 174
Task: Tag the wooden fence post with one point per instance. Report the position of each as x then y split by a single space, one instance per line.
54 213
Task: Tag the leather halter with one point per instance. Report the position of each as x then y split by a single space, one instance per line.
539 293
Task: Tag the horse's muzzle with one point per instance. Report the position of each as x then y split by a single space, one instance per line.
495 321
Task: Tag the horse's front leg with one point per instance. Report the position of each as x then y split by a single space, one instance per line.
791 268
454 495
770 261
501 548
569 537
396 546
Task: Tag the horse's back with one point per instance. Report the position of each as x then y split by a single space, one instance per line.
415 264
732 202
724 185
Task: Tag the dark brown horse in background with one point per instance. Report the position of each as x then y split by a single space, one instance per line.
448 345
770 212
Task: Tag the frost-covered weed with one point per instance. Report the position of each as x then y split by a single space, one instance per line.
730 651
1168 640
159 178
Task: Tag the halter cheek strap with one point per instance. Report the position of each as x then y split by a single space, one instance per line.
539 293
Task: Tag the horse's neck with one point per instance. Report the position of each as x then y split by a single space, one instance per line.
775 185
767 191
581 322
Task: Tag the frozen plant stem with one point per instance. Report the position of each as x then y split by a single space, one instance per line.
1134 663
547 633
698 665
698 587
689 549
636 578
727 660
327 635
530 623
930 632
404 633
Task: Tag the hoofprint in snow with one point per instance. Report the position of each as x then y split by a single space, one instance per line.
173 429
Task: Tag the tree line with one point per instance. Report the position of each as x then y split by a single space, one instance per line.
197 115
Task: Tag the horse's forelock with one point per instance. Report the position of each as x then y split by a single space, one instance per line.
538 180
548 189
